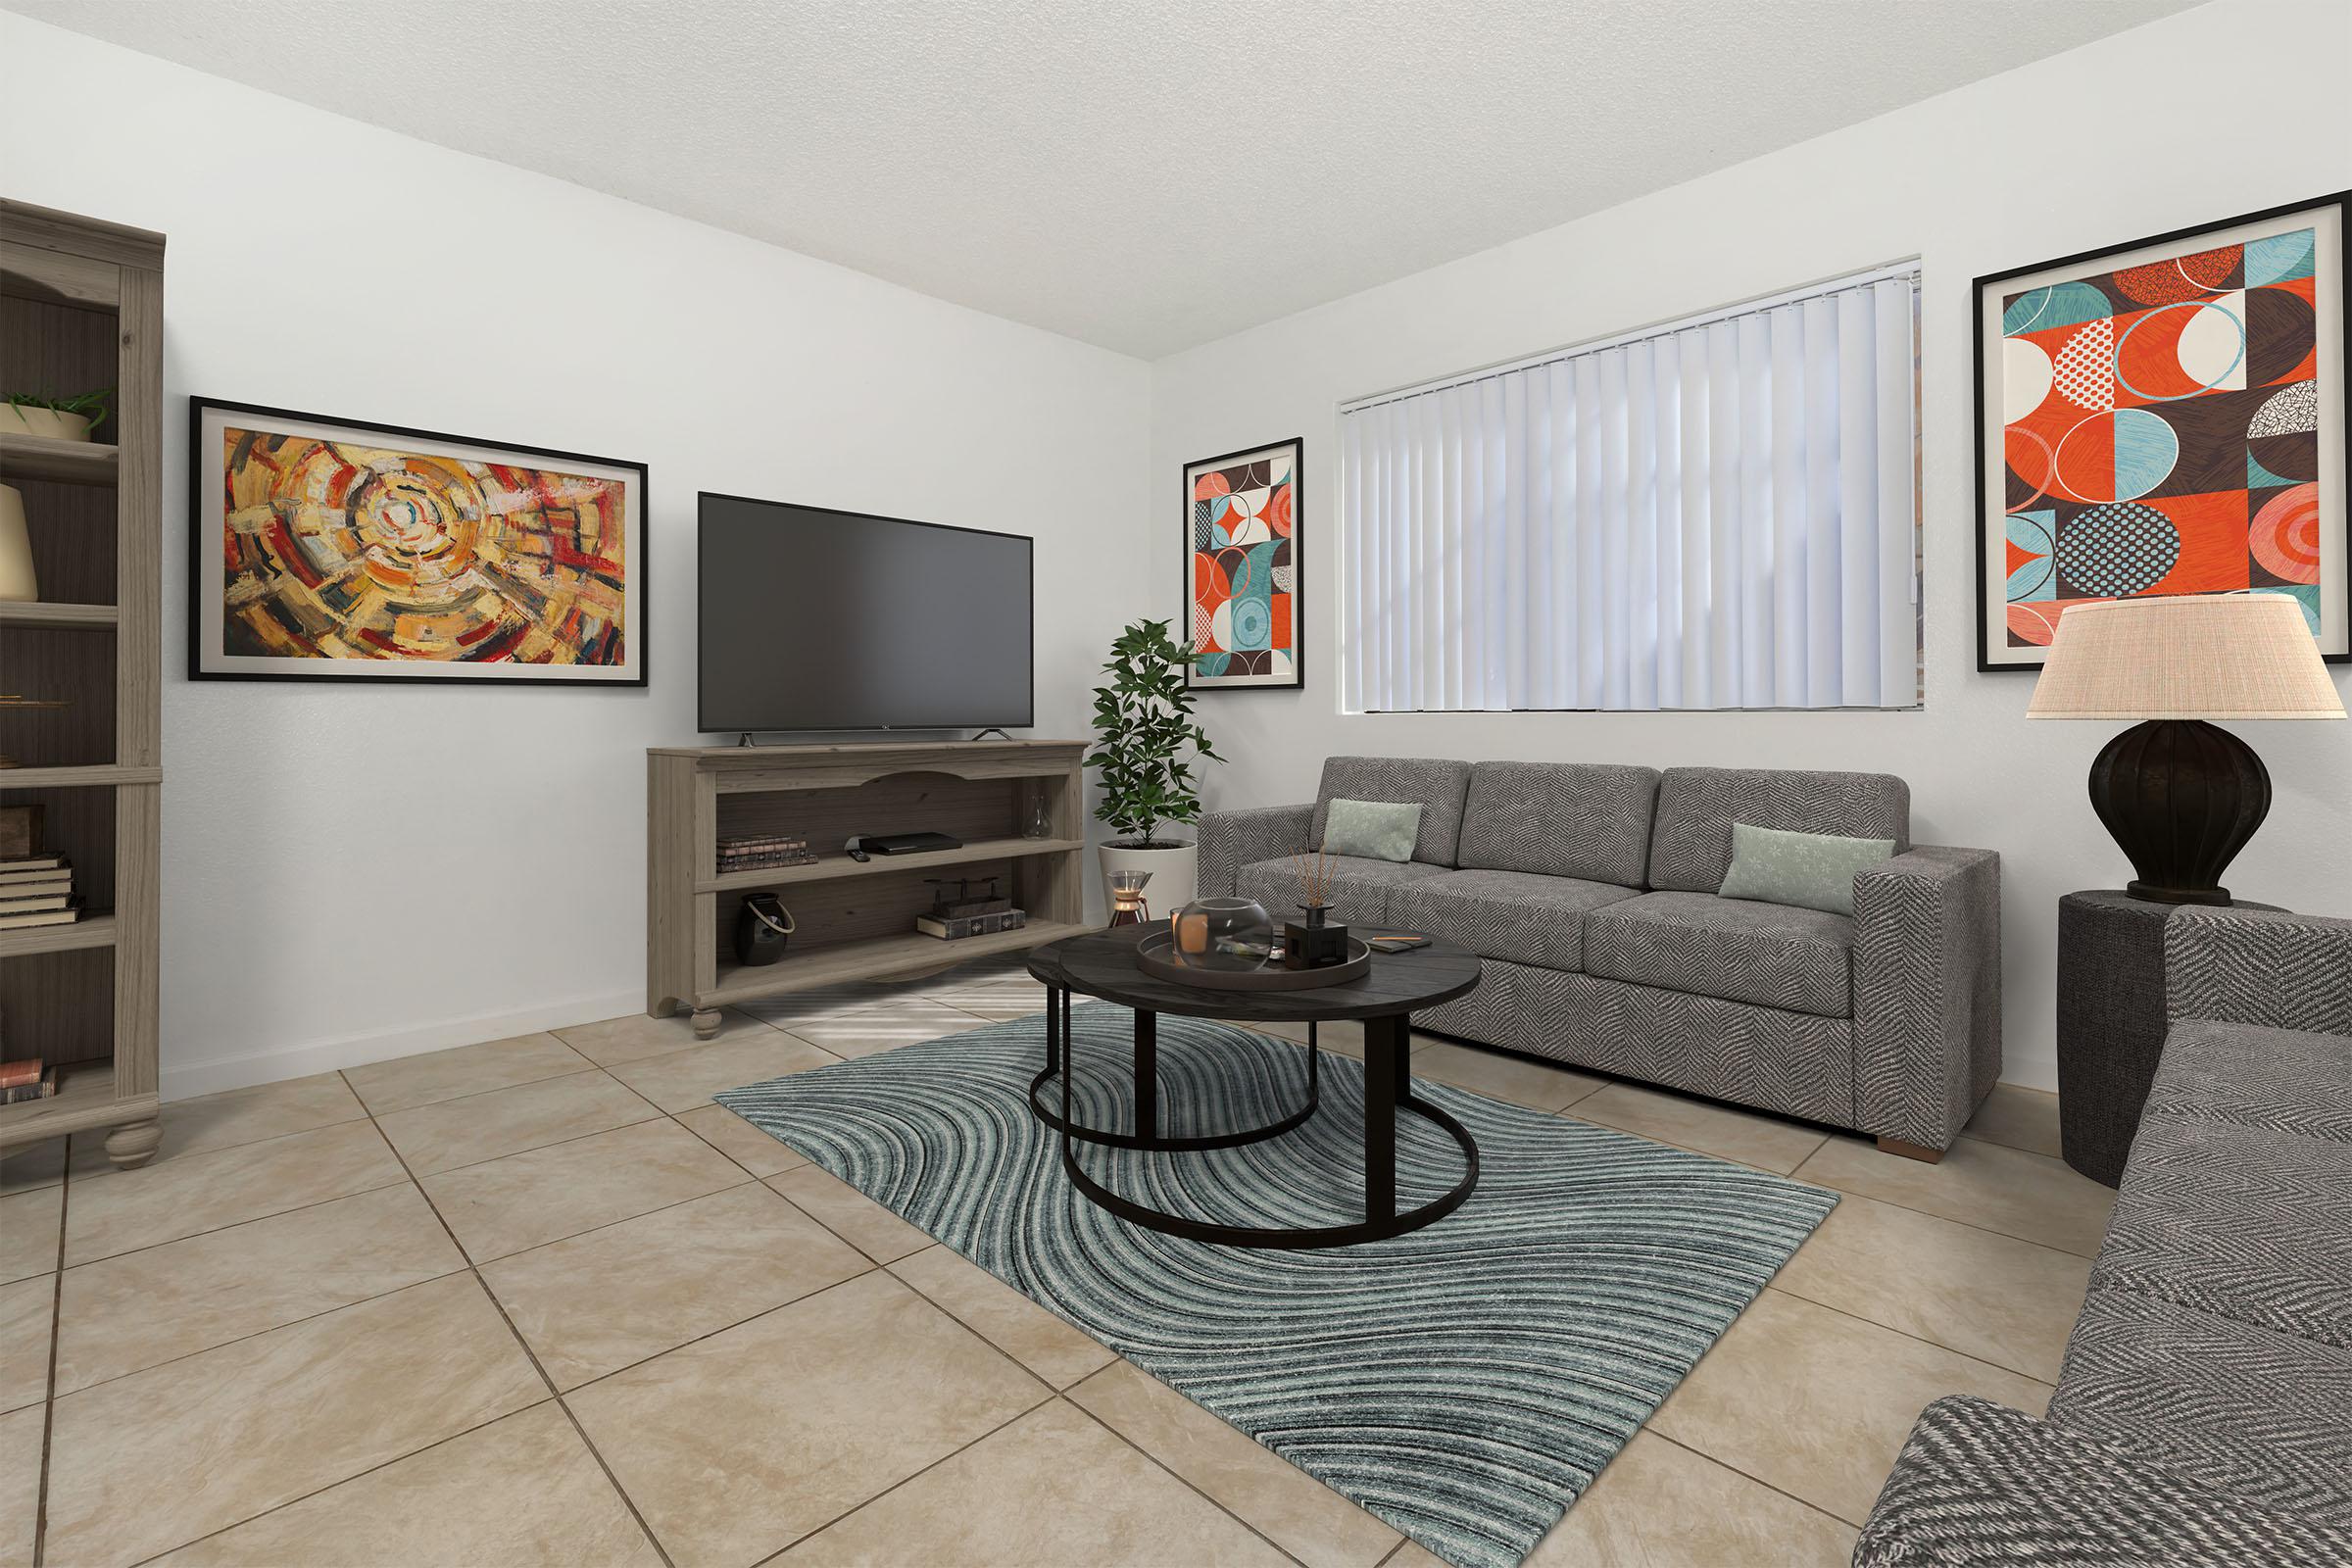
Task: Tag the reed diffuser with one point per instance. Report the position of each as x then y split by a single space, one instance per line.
1320 941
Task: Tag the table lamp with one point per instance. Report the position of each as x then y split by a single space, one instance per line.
2182 796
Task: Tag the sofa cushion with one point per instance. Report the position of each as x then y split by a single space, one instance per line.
2291 1079
2247 1222
2265 1415
1579 820
1360 889
1691 845
1435 785
1505 914
1766 953
1371 830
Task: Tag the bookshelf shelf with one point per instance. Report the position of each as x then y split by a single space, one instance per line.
872 959
838 867
81 306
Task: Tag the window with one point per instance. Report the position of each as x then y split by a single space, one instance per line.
1718 513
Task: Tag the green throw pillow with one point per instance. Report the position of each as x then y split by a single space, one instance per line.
1372 830
1806 870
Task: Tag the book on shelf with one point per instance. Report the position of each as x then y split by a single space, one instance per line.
25 1080
955 928
24 922
35 868
14 904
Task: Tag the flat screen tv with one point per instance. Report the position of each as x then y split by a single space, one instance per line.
815 619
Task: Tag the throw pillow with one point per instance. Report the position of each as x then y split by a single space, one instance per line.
1371 830
1804 870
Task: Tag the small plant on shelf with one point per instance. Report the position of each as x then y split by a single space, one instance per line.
61 419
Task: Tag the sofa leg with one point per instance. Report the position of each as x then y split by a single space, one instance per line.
1918 1151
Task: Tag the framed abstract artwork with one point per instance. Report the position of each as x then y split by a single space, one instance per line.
325 549
2165 418
1242 569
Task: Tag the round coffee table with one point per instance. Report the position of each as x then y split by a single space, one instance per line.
1103 965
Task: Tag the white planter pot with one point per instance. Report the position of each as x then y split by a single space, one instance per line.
1175 875
19 418
16 549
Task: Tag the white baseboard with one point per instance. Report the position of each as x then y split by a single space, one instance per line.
354 1050
2033 1072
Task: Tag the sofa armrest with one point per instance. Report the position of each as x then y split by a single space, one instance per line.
1978 1482
2274 970
1927 991
1231 840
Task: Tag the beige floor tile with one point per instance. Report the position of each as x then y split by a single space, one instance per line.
20 1433
825 1002
196 1193
1997 1188
249 1115
597 1302
545 1195
1749 1137
522 1493
886 1026
999 994
28 1309
1521 1080
636 1036
1289 1507
33 1165
849 1215
1051 1487
1412 1554
2018 1116
1661 1506
741 1141
1002 1315
736 1445
132 1312
450 1133
29 1224
2000 1300
1817 1404
406 1081
687 1078
163 1456
1343 1036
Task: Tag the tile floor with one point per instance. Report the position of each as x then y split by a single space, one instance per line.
540 1301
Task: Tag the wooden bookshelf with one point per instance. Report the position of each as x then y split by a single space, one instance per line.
855 920
81 307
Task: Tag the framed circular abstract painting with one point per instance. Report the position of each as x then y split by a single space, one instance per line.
324 550
2165 418
1242 527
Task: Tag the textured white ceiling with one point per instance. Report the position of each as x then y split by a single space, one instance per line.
1142 176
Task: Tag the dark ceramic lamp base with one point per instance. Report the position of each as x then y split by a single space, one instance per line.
2181 797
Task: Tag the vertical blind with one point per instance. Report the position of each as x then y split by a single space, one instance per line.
1715 514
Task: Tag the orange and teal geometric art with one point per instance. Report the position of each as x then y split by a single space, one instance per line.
2160 432
1242 568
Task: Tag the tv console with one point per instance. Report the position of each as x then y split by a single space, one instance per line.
855 920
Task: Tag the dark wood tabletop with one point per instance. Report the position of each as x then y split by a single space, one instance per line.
1102 964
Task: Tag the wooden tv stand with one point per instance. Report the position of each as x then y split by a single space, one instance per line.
855 920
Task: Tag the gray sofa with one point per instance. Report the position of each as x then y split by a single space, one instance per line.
1590 892
2204 1409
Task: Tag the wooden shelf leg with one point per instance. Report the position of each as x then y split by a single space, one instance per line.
133 1144
706 1024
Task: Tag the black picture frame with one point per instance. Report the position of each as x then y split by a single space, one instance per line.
1194 681
204 519
1984 489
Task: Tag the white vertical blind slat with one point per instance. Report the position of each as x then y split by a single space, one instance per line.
1721 515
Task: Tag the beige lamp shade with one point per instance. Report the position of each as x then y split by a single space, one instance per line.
2186 655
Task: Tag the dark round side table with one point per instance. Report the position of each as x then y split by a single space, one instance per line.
2110 1022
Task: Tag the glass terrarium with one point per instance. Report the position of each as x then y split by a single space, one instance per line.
1228 935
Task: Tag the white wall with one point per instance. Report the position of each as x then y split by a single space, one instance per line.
2222 110
353 872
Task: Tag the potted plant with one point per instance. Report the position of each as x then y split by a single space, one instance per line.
1146 742
58 418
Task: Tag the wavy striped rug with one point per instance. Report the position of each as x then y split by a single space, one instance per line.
1464 1383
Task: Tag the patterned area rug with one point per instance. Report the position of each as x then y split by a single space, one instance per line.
1465 1383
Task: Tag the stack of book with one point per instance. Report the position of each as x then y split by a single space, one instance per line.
764 854
37 890
27 1080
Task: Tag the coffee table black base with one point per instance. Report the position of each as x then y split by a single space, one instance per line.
1387 1091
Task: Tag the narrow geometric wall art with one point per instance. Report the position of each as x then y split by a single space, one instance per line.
1243 588
2165 418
